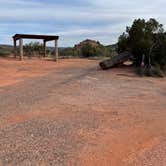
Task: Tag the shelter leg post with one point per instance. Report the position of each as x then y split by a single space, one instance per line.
44 43
15 48
21 48
56 50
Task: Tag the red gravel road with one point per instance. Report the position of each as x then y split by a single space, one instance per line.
71 113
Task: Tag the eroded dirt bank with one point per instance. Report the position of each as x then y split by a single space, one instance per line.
73 113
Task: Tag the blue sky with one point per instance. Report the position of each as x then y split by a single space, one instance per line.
75 20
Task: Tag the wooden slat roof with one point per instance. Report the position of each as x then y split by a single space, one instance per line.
28 36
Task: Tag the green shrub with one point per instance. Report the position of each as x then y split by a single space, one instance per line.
4 53
145 38
33 48
153 71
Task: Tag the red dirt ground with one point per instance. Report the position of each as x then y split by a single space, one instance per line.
73 113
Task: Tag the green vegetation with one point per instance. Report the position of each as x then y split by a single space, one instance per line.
68 52
146 40
30 50
5 50
88 49
37 49
33 48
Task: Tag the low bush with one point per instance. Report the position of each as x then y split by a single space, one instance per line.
153 71
4 53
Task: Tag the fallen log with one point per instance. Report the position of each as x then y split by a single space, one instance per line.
116 60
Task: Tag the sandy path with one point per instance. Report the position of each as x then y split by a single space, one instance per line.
72 113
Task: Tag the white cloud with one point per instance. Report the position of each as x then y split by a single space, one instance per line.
101 20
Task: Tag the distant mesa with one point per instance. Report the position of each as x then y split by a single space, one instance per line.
87 41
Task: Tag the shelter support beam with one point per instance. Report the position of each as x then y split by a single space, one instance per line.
21 48
15 48
56 50
44 44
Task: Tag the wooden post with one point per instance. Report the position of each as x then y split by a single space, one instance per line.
15 48
44 44
56 50
21 48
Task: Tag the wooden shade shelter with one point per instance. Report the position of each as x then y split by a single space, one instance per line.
45 39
